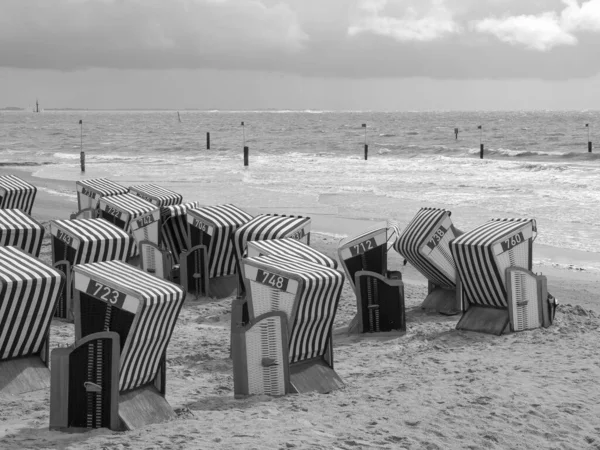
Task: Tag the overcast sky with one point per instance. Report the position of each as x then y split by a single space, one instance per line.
301 54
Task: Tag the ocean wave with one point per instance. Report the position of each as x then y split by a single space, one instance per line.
387 135
23 163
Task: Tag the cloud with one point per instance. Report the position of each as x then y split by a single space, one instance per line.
581 18
414 23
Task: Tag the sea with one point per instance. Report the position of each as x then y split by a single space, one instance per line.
535 164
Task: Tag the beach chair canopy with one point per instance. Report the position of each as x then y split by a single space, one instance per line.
156 195
289 247
121 209
425 243
20 230
307 292
270 226
29 291
214 227
151 308
483 254
90 240
16 193
174 230
95 188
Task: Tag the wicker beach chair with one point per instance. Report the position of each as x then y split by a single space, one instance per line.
89 193
286 345
20 230
29 292
141 309
16 193
82 241
425 244
495 283
378 291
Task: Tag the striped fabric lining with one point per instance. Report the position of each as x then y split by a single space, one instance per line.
316 304
126 207
28 295
225 220
16 194
159 305
19 230
269 226
477 264
293 248
101 187
156 195
97 239
413 238
174 231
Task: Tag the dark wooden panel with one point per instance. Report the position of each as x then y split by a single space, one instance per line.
314 375
23 375
144 406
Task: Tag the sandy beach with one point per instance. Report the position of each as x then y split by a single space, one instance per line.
432 387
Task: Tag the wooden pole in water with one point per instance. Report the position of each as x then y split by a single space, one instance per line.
364 125
81 154
480 143
587 125
207 141
246 149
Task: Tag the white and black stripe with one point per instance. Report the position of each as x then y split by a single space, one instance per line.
127 207
100 187
174 230
224 220
156 195
28 295
478 266
16 194
315 306
159 305
289 247
20 230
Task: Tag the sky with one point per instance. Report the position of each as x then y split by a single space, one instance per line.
390 55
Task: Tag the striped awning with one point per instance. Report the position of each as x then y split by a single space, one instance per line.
391 228
483 254
20 230
425 244
174 231
156 195
219 222
289 247
156 305
99 187
93 240
270 226
29 292
316 303
126 207
16 193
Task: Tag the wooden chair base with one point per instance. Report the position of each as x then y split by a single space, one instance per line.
314 375
485 320
222 287
443 301
142 407
21 375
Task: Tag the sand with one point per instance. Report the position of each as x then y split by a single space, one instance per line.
432 387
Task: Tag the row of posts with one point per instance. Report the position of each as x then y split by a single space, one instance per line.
366 146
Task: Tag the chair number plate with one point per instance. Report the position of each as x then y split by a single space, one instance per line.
437 237
362 247
105 293
88 193
271 279
144 221
512 241
113 211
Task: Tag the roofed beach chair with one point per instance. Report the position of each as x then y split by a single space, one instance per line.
122 209
379 292
16 193
29 292
209 267
157 195
498 290
89 193
20 230
286 346
289 247
425 244
128 316
82 241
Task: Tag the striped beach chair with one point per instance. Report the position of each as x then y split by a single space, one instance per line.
289 247
142 310
89 193
286 345
379 292
497 288
156 195
16 193
425 244
82 241
29 292
209 267
17 229
122 209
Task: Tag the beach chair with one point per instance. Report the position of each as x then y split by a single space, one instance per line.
29 292
425 244
495 283
364 259
122 209
156 195
16 193
141 309
286 347
209 266
289 247
89 193
20 230
82 241
162 238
